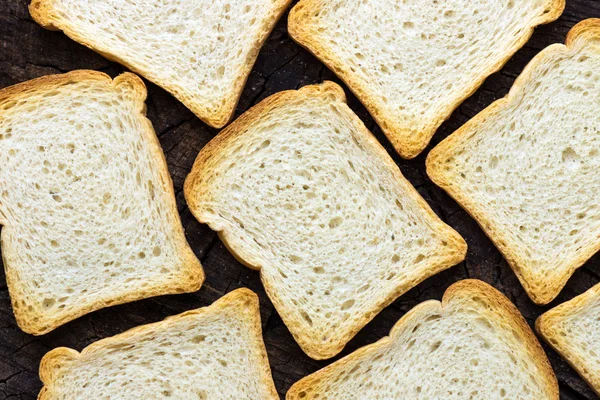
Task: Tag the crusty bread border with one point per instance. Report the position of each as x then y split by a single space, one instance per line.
42 13
244 299
544 325
191 279
456 243
406 146
435 160
472 287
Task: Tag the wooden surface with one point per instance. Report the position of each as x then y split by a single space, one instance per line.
28 51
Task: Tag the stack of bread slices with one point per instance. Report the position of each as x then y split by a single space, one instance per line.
299 189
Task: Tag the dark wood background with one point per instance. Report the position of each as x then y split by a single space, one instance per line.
28 51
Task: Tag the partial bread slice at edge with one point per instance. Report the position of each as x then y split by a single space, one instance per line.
188 278
43 13
402 137
540 292
487 306
222 149
553 326
241 303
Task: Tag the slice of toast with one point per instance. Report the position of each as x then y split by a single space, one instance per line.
201 51
573 329
526 167
86 200
411 63
473 345
215 352
299 188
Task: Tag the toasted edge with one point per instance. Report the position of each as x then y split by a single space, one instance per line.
191 278
584 30
406 145
42 13
332 92
544 326
472 287
243 300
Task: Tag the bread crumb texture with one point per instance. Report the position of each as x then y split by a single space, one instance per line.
412 62
526 168
215 352
300 189
573 329
473 345
201 51
86 200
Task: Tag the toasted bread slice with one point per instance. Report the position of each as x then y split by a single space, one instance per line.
473 345
201 51
86 200
573 329
526 167
299 188
215 352
411 63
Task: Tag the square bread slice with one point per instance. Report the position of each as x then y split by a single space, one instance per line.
573 330
215 352
411 63
526 168
298 188
474 344
201 51
86 200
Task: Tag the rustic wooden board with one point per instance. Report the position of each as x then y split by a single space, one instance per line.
27 51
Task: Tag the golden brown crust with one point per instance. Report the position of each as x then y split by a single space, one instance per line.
237 128
42 12
190 280
406 144
588 29
544 292
456 246
470 288
546 326
243 302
